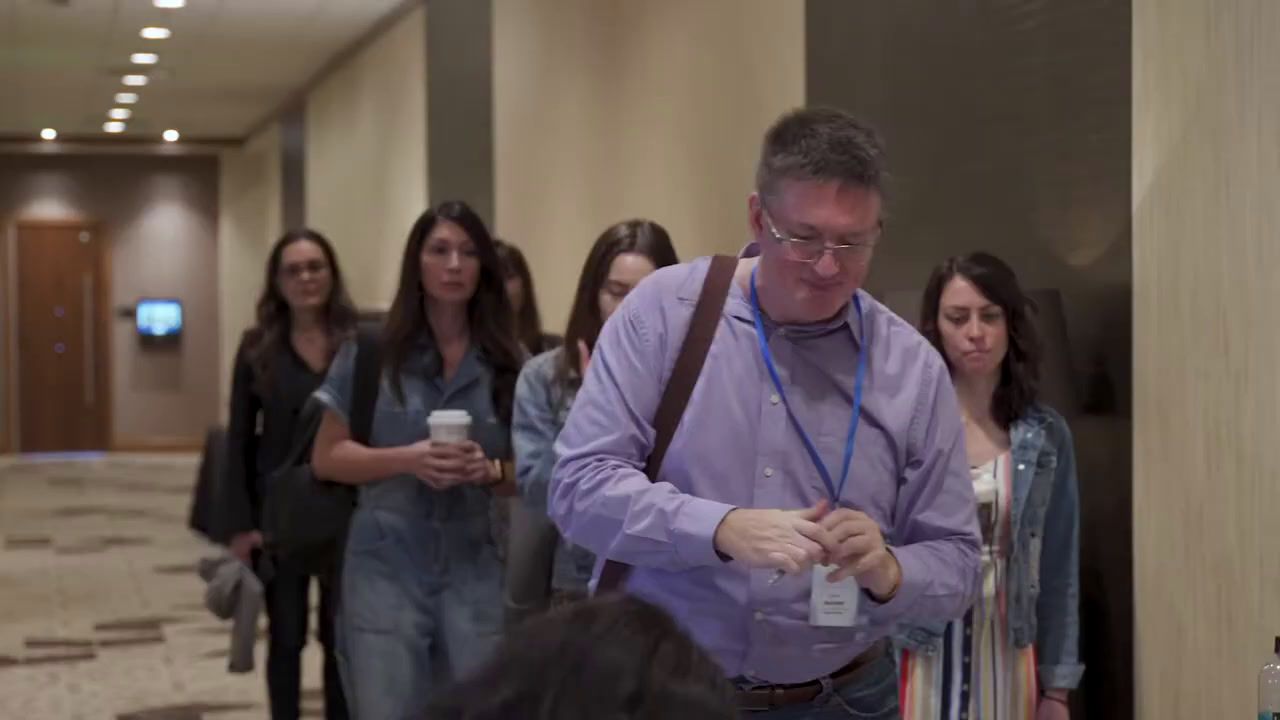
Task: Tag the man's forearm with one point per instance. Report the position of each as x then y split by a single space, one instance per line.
594 502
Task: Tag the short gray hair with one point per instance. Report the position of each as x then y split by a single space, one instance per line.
820 144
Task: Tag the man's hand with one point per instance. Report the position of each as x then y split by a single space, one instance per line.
858 548
789 540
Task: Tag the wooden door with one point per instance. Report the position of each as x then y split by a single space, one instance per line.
62 343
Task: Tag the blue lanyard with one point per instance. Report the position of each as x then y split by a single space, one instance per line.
857 394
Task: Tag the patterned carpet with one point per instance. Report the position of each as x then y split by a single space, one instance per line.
101 612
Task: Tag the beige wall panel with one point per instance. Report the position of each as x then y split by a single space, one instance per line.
249 221
366 156
1206 174
606 110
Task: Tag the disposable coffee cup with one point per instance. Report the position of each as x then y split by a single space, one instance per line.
449 426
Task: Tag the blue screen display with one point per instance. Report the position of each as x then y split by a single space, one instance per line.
159 317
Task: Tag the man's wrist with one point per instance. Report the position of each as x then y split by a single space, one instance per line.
894 571
718 538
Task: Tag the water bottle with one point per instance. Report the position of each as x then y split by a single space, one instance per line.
1269 687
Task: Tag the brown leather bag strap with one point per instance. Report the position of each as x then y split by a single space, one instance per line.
684 375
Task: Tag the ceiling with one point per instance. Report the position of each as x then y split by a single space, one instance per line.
227 66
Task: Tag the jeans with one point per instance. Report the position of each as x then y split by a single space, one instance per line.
873 694
288 609
414 615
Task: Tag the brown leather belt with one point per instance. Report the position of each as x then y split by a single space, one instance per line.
776 696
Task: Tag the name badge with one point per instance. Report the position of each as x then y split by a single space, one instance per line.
832 604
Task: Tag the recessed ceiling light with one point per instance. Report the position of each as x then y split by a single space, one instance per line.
171 135
169 4
114 126
119 113
49 134
126 98
134 80
155 33
144 58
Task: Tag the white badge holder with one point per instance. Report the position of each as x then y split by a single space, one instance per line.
832 604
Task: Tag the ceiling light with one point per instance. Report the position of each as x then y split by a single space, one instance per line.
155 33
171 135
134 80
113 127
119 113
144 58
126 98
49 134
169 4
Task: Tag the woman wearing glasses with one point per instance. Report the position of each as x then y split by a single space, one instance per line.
1014 655
421 579
303 315
621 257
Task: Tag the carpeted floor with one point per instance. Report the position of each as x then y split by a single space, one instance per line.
101 614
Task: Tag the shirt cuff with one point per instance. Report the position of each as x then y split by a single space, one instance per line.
695 531
912 584
325 398
1061 677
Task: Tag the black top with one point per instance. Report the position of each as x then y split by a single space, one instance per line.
261 430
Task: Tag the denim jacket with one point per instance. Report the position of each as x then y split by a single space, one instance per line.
541 406
1044 566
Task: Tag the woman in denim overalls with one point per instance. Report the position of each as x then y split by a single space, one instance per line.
1014 655
421 581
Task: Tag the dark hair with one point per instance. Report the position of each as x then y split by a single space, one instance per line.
274 320
1020 371
528 319
645 237
820 144
610 658
488 312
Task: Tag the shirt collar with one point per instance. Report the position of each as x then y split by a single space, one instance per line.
469 370
738 306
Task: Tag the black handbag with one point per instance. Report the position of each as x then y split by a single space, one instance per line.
304 518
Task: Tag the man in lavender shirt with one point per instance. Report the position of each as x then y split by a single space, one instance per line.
728 540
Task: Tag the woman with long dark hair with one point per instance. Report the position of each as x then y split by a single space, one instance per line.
421 579
621 257
524 300
1015 654
303 315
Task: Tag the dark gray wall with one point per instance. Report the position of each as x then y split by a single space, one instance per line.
460 103
293 166
1008 128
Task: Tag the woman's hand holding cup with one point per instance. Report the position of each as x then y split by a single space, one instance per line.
450 458
441 465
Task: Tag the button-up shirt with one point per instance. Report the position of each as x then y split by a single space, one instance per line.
737 448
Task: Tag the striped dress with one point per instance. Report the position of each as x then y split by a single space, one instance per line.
977 673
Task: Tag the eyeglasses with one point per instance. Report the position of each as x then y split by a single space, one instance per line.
295 271
855 248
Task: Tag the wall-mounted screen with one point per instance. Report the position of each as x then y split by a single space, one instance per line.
159 317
